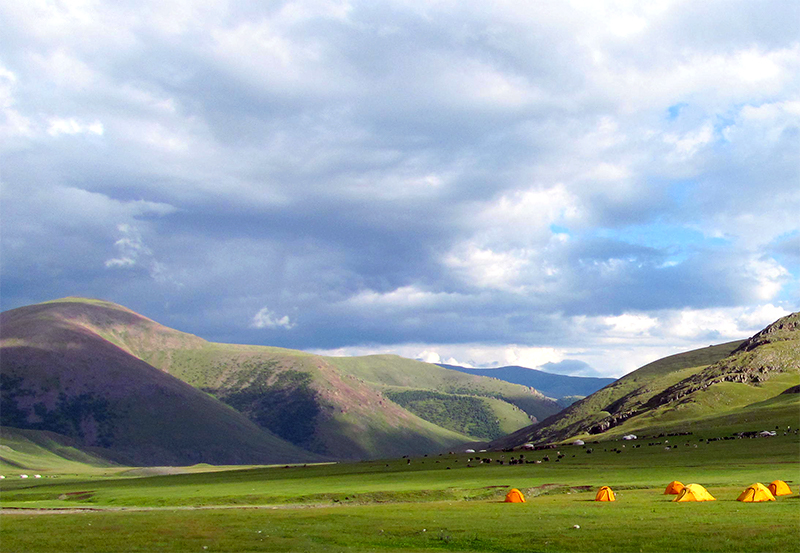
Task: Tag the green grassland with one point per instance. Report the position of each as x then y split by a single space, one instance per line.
448 502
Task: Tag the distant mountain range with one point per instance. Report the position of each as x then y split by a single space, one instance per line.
127 389
565 389
743 386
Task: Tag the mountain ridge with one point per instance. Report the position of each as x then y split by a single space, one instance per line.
62 377
298 405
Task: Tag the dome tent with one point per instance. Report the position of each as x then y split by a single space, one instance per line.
605 494
779 487
674 488
694 492
755 493
514 496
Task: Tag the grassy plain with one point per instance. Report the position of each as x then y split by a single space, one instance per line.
429 503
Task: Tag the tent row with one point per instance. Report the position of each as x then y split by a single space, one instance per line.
753 493
693 492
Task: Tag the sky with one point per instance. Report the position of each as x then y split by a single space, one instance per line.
585 186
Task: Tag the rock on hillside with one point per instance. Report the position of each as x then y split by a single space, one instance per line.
774 350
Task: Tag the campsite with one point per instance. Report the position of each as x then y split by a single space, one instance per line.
447 502
399 276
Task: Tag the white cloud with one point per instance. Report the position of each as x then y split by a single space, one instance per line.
134 253
131 248
267 319
13 123
59 125
525 216
402 298
465 355
630 324
428 356
756 318
531 356
769 276
484 268
724 324
689 144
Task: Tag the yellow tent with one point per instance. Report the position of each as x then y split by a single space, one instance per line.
694 492
756 492
673 488
779 487
515 496
605 494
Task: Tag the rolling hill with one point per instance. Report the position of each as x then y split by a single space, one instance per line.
737 385
133 391
59 376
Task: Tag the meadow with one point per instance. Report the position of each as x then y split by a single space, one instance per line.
448 502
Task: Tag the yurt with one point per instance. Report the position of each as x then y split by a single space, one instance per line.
515 496
779 487
674 488
605 494
755 493
694 492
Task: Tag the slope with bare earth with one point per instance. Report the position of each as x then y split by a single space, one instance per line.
730 382
335 407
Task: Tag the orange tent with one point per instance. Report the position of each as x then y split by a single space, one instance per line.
673 488
756 492
515 496
694 492
779 487
605 494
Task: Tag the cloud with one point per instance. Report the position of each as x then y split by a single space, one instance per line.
131 248
133 253
267 319
570 367
59 125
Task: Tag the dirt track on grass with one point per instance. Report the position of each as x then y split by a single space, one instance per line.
75 511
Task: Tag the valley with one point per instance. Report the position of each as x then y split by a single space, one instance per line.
115 427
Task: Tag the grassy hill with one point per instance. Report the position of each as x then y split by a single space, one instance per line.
731 384
58 375
146 394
